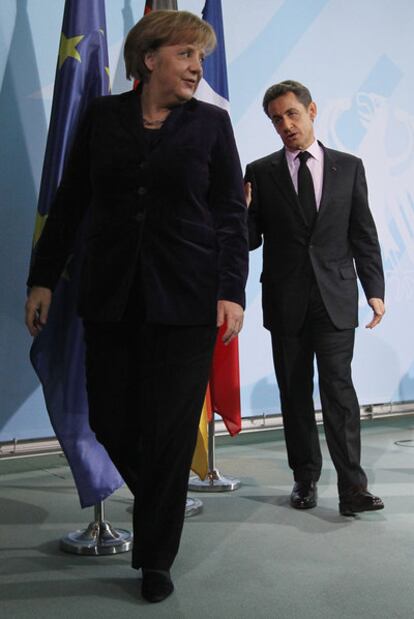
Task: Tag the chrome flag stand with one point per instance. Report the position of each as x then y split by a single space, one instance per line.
193 507
99 537
214 482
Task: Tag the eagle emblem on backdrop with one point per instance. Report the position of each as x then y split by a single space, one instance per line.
371 127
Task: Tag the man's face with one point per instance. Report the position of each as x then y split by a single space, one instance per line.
293 121
175 71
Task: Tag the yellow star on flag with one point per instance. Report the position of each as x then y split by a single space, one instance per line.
67 48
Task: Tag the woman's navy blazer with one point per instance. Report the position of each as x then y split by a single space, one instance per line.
176 212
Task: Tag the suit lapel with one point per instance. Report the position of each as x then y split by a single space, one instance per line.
176 118
330 178
131 120
281 175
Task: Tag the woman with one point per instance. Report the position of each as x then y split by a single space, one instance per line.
165 263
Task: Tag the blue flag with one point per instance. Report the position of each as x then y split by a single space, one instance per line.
213 87
57 353
214 67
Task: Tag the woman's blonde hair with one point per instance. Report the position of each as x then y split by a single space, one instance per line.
164 28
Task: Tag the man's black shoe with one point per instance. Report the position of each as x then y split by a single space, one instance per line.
304 495
156 585
359 500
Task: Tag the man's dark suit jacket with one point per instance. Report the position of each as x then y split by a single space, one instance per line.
343 237
176 210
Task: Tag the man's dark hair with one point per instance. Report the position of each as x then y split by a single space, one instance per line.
282 88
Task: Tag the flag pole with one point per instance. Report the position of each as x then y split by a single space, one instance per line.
213 88
214 482
99 537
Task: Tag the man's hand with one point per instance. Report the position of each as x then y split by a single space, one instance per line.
248 193
231 314
37 308
379 311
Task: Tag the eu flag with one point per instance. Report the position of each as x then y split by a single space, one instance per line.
57 353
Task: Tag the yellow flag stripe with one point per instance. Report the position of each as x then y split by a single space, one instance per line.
200 458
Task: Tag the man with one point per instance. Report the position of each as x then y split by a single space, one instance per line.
309 205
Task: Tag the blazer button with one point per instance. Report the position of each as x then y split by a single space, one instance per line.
139 217
142 191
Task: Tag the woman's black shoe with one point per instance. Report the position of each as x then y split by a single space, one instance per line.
156 585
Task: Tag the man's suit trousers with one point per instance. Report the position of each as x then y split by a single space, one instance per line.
293 358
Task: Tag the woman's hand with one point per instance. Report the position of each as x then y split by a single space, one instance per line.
232 314
37 309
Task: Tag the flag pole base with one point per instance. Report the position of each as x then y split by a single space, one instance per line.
193 507
214 482
99 538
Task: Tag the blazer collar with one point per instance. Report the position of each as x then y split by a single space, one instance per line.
281 175
330 177
131 113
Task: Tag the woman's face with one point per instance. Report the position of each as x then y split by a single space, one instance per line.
175 72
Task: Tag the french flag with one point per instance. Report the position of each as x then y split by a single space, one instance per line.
225 376
213 88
